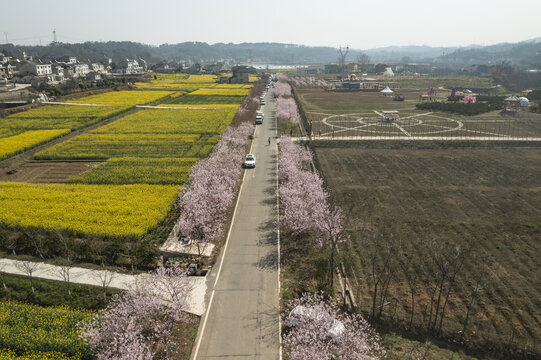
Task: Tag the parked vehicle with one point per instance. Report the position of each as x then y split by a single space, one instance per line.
249 161
259 120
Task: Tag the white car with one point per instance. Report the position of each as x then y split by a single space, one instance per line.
249 161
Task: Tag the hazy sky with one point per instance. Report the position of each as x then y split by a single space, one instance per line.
360 24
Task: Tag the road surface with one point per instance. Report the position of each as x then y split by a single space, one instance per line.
242 318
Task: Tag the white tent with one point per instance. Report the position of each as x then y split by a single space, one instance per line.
387 91
388 72
524 101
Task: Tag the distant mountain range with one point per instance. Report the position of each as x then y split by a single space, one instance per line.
526 53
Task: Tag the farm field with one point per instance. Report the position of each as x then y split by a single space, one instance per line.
208 99
124 176
35 332
421 200
123 98
104 146
57 117
181 121
109 210
135 170
360 114
14 144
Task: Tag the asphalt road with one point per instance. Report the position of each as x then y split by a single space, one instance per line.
242 319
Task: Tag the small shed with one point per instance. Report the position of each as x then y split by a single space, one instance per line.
512 104
391 115
387 91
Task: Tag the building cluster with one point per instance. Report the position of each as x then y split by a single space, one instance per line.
21 68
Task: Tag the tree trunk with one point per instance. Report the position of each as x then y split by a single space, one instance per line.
412 308
332 264
466 319
440 291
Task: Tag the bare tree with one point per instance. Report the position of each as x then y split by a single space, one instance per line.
28 267
2 268
475 287
381 251
363 60
64 271
411 267
448 259
105 277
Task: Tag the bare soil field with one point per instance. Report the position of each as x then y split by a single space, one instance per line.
444 240
49 172
318 100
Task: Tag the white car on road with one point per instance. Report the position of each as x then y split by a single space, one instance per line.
249 161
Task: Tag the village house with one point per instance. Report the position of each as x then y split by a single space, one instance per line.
58 72
80 69
241 75
35 69
131 67
7 70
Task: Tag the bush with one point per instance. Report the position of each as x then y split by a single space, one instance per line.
51 293
469 109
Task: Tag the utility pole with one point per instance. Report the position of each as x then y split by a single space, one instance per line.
342 58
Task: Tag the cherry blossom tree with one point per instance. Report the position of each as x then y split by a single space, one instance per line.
318 330
282 89
137 323
304 202
210 191
281 77
286 109
469 99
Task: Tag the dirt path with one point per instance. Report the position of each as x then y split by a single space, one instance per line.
98 278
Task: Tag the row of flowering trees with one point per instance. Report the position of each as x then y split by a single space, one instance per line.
317 329
286 107
310 82
305 206
211 189
137 324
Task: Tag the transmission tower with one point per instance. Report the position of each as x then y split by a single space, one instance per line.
54 35
343 52
6 36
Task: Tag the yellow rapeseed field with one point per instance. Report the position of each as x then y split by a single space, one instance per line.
115 210
6 354
127 97
135 170
105 146
58 117
28 139
37 332
172 121
202 106
201 79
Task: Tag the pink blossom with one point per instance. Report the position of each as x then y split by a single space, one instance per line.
282 89
286 109
210 190
469 99
136 321
321 331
